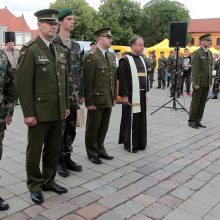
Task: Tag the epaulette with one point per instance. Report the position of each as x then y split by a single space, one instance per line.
60 44
29 43
91 52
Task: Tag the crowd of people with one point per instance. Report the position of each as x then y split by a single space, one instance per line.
52 78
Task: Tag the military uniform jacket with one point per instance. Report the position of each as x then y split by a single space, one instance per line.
202 67
75 71
42 81
162 63
6 87
100 79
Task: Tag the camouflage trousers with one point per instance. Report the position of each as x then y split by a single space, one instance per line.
175 82
161 77
69 132
216 84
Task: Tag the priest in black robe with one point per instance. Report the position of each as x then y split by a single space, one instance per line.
133 87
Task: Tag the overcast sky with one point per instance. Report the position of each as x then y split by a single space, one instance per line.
197 9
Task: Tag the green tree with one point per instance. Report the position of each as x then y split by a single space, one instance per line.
156 16
85 17
123 16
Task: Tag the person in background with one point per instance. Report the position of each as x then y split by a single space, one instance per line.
202 61
216 83
93 46
7 88
75 76
151 67
162 66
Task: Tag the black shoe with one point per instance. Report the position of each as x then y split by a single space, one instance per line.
95 160
62 170
134 150
3 205
106 156
55 188
214 97
71 165
158 87
200 125
193 125
37 197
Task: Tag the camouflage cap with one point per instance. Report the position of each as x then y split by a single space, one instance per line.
105 32
63 13
47 15
206 37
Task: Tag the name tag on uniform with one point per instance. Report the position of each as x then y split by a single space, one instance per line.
203 57
42 59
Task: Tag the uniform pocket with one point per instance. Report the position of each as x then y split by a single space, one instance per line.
99 97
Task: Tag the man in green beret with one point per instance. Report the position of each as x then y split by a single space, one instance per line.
75 76
202 79
43 93
100 94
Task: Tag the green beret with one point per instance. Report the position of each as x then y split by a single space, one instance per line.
47 15
93 43
105 32
63 13
206 37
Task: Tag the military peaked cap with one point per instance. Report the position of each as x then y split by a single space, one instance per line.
206 37
105 32
9 36
64 12
47 15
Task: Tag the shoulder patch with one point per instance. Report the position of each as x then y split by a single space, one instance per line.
29 43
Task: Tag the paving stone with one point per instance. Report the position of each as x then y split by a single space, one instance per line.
215 211
173 168
140 217
144 199
213 156
146 170
195 207
133 176
113 200
210 217
170 201
134 206
72 217
109 177
74 192
183 162
156 211
127 169
119 183
204 175
213 169
202 163
181 177
132 190
191 170
124 211
94 184
59 211
34 210
168 184
179 214
5 194
195 184
161 174
104 190
17 216
92 211
182 193
10 180
111 216
85 199
54 201
156 192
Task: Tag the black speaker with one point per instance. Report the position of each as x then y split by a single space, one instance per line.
178 31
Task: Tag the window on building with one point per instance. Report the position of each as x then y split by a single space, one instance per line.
192 41
218 41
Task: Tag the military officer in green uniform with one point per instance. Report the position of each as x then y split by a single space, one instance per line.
6 104
100 94
162 66
202 79
43 93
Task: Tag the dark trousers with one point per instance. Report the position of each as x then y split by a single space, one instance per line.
96 129
161 78
215 89
197 107
186 77
151 78
43 139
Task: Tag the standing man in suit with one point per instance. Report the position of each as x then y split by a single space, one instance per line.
202 79
100 94
43 94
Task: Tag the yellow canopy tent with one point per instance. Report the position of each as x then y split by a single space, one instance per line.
162 46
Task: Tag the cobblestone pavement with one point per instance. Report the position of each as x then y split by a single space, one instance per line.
177 177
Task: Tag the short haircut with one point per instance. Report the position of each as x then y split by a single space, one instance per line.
134 39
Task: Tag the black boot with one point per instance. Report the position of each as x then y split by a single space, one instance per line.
71 165
3 205
62 169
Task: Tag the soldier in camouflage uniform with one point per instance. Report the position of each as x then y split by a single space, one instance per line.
175 75
150 68
6 103
162 66
216 83
74 59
